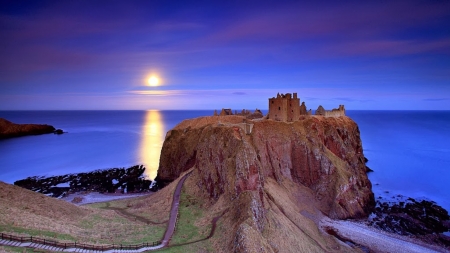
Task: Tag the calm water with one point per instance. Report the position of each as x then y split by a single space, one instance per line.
408 150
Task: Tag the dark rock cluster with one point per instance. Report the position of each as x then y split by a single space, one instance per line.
103 181
422 219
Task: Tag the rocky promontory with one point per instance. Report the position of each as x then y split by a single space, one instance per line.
273 179
10 130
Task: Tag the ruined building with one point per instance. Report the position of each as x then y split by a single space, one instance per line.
333 113
286 108
246 113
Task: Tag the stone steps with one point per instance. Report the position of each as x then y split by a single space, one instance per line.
52 248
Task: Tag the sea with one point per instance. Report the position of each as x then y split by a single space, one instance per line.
408 151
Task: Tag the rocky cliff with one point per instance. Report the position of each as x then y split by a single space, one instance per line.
281 175
9 129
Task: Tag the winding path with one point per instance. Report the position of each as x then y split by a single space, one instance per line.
165 241
174 212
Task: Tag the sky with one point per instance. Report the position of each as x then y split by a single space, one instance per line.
98 55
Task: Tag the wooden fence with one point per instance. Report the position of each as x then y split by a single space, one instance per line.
64 245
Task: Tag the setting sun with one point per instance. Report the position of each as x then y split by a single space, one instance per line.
153 81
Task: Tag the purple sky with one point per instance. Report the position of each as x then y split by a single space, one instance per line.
214 54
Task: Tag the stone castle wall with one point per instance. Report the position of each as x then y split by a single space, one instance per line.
333 113
284 107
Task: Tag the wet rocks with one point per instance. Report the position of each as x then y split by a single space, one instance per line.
103 181
422 219
10 130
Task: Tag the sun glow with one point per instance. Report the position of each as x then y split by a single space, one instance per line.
153 81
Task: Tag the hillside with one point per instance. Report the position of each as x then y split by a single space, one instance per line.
26 213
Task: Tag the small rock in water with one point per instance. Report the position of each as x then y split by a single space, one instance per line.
58 131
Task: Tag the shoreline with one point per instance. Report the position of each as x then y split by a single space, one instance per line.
97 197
375 239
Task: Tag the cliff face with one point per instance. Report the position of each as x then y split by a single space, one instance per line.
318 161
324 154
9 129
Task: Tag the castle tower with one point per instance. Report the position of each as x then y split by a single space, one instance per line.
284 107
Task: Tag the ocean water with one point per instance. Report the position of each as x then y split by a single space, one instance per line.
408 150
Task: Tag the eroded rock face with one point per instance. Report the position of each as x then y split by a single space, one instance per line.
323 154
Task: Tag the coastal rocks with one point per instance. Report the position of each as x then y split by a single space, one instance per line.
423 219
58 131
10 130
323 154
103 181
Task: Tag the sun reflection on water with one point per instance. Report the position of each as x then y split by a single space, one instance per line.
151 143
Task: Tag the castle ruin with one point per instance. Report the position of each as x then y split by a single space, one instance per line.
286 107
333 113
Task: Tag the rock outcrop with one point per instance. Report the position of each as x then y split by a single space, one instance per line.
113 180
10 130
268 177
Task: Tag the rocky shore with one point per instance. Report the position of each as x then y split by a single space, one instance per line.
11 130
423 220
130 180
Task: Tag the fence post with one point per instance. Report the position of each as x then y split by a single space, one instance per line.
121 246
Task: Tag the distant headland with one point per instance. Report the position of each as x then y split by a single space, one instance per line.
11 130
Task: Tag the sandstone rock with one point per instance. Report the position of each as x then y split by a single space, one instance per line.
273 183
324 154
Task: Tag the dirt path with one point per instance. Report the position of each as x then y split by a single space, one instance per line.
211 233
174 212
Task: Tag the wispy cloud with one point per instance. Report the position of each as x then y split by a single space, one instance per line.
436 99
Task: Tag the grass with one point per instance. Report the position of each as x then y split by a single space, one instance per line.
37 233
25 213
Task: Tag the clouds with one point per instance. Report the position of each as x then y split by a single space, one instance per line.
91 46
436 99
